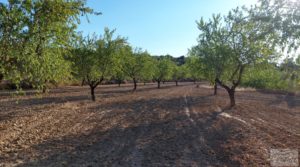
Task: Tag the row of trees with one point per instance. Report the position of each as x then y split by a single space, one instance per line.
39 45
97 59
230 46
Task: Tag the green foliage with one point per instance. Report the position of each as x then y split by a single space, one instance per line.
226 47
194 68
35 36
133 62
279 17
163 69
95 58
264 76
83 57
107 49
147 72
213 50
179 72
291 73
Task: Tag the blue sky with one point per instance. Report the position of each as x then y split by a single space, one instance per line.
158 26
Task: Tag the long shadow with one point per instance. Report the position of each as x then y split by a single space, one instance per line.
50 100
100 93
14 109
140 88
148 140
268 96
154 144
291 99
31 92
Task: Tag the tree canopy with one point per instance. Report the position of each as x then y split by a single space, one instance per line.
227 46
135 64
35 36
94 58
162 70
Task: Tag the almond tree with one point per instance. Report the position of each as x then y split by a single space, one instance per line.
134 64
194 69
280 17
148 71
162 70
94 58
228 46
212 49
179 72
35 37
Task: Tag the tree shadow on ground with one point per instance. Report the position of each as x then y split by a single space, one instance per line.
139 89
100 93
153 132
49 100
292 99
32 92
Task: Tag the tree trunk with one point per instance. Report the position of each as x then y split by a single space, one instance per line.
158 84
93 92
163 82
231 93
82 82
135 84
119 82
195 81
1 77
176 83
215 89
44 89
144 83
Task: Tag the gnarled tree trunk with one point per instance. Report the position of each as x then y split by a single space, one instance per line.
231 90
158 84
93 84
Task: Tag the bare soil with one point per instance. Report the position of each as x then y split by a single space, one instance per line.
172 126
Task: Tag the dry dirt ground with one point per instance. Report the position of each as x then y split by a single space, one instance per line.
173 126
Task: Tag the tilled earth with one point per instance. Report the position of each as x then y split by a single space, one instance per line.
172 126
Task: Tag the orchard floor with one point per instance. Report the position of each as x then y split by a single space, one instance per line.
172 126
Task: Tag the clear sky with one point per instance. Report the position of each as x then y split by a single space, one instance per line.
158 26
